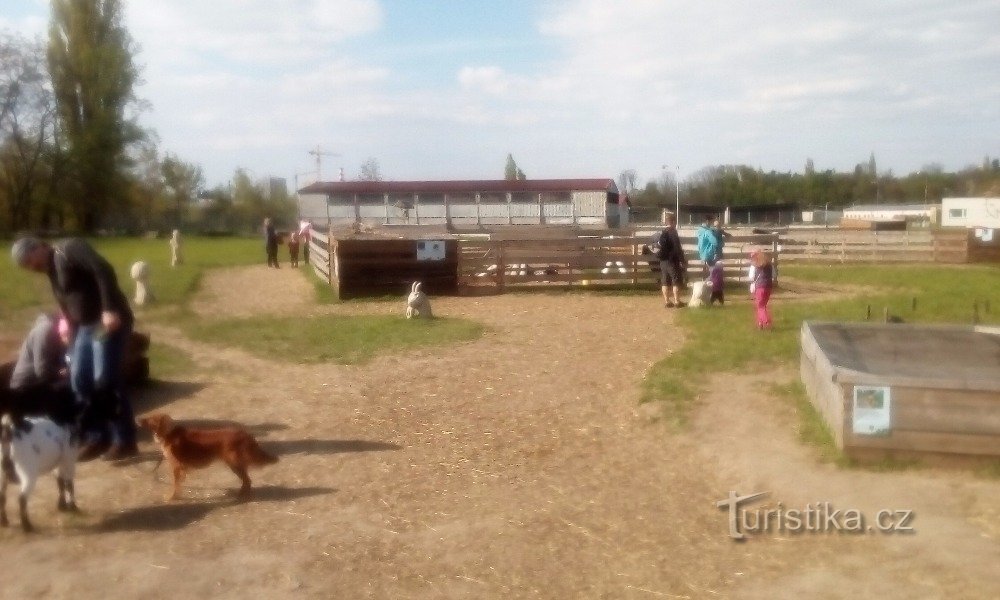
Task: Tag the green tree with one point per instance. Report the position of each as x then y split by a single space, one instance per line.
90 58
511 171
182 182
27 130
370 170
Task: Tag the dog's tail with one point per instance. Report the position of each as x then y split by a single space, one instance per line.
258 456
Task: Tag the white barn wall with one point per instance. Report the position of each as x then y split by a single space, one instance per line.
585 208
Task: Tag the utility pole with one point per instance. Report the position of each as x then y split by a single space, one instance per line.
319 154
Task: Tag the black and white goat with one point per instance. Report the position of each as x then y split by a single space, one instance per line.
33 446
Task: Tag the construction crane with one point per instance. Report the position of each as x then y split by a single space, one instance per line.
319 154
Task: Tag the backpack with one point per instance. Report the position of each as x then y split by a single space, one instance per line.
663 248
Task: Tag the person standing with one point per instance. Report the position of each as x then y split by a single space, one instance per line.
763 282
293 248
717 277
86 288
708 245
673 264
271 243
305 236
721 235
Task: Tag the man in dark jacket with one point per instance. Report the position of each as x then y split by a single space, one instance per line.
86 288
271 243
673 263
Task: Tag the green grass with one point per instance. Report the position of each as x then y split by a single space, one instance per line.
21 291
346 340
719 340
167 362
812 429
339 339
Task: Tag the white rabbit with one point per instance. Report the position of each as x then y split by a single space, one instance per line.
417 303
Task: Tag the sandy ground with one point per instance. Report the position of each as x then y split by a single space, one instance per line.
517 465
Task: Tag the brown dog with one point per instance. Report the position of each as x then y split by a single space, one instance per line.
186 448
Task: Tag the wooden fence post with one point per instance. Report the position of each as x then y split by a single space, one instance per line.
329 252
635 260
501 265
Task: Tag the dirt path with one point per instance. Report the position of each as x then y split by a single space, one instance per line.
517 465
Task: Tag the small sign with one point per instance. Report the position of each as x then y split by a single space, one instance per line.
872 415
984 234
430 250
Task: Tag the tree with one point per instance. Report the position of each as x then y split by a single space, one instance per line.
511 171
27 128
626 181
93 75
370 170
182 181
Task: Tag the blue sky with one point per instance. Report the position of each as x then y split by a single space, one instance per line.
573 88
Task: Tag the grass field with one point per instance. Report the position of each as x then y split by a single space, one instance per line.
344 339
21 290
721 340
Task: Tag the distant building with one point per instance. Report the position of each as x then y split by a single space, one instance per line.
276 187
971 212
924 214
822 217
480 203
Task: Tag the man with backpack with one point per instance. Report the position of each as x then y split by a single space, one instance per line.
673 264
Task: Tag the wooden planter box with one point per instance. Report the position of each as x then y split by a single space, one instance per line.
905 390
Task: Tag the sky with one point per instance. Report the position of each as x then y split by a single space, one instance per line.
439 89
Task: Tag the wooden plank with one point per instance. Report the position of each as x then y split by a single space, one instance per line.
922 441
946 411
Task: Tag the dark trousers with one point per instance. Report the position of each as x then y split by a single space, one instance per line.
272 255
96 378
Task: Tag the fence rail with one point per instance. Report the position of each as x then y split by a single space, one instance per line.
586 260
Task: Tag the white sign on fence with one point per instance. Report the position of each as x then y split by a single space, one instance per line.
430 250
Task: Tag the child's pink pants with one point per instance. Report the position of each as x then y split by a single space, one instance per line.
760 297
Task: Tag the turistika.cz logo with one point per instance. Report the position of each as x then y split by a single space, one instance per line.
820 517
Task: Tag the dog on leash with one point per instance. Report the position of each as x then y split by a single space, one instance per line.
417 303
188 448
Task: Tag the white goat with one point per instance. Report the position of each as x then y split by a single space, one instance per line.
37 445
701 291
417 303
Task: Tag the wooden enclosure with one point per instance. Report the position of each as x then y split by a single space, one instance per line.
593 258
366 266
941 386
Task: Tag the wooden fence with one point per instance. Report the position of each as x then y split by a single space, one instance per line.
587 260
947 246
559 256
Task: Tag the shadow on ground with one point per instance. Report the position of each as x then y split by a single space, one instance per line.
285 447
171 516
157 393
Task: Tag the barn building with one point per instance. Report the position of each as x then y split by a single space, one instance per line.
466 204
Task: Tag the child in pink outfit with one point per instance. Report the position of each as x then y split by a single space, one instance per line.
763 282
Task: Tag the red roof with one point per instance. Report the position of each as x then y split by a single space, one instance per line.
459 187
